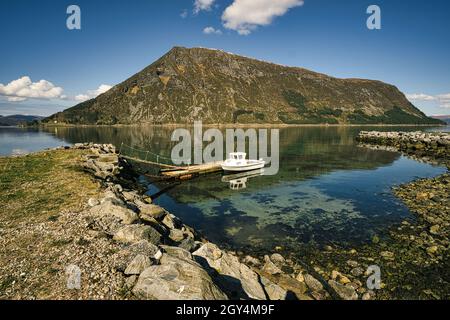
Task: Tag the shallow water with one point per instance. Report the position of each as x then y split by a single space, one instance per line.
327 191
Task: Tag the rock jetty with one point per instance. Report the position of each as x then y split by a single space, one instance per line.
421 144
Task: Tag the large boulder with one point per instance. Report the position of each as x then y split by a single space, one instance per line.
137 232
233 277
150 210
124 257
177 279
344 292
274 291
139 264
114 207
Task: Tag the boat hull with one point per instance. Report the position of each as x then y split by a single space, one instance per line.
241 168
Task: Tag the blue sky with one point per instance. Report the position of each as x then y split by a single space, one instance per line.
119 38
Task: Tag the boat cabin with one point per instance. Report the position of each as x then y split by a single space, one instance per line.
238 156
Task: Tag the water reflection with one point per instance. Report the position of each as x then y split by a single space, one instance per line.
328 189
238 181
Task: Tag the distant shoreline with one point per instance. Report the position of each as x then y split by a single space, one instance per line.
238 125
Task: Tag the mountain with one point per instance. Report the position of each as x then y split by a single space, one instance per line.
18 119
218 87
446 119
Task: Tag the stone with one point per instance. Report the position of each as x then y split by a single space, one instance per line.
312 283
434 229
300 277
151 210
177 279
171 222
269 267
274 291
139 264
130 282
387 255
136 233
432 250
344 292
357 271
369 295
176 235
92 202
233 275
188 244
111 206
343 279
125 256
177 252
352 263
277 258
291 285
129 195
249 260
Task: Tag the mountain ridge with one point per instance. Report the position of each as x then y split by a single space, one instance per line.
214 86
18 119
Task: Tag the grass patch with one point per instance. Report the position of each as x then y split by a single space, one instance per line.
38 186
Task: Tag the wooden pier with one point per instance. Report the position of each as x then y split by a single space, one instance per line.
169 171
186 173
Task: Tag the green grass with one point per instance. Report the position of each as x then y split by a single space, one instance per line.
39 186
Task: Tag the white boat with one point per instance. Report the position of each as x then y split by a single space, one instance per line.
238 163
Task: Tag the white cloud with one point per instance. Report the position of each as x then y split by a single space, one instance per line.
23 89
244 16
442 99
90 94
420 97
184 14
211 30
203 5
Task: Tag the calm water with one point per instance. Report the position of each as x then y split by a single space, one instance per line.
328 189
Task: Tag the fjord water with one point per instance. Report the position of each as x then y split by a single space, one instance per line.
328 189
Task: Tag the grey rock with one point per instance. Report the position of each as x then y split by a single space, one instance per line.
92 202
177 279
274 291
269 267
234 276
112 206
139 264
177 252
151 210
176 235
344 292
277 258
312 283
136 233
171 222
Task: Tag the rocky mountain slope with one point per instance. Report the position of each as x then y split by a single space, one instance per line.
218 87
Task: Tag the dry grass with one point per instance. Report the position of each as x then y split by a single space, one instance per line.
43 211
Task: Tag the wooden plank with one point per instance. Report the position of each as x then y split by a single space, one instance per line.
195 170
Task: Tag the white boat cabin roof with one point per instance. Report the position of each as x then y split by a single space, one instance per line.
238 155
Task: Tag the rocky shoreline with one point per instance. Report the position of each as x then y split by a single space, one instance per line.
126 247
162 258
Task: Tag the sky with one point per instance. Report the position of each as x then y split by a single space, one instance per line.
46 67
